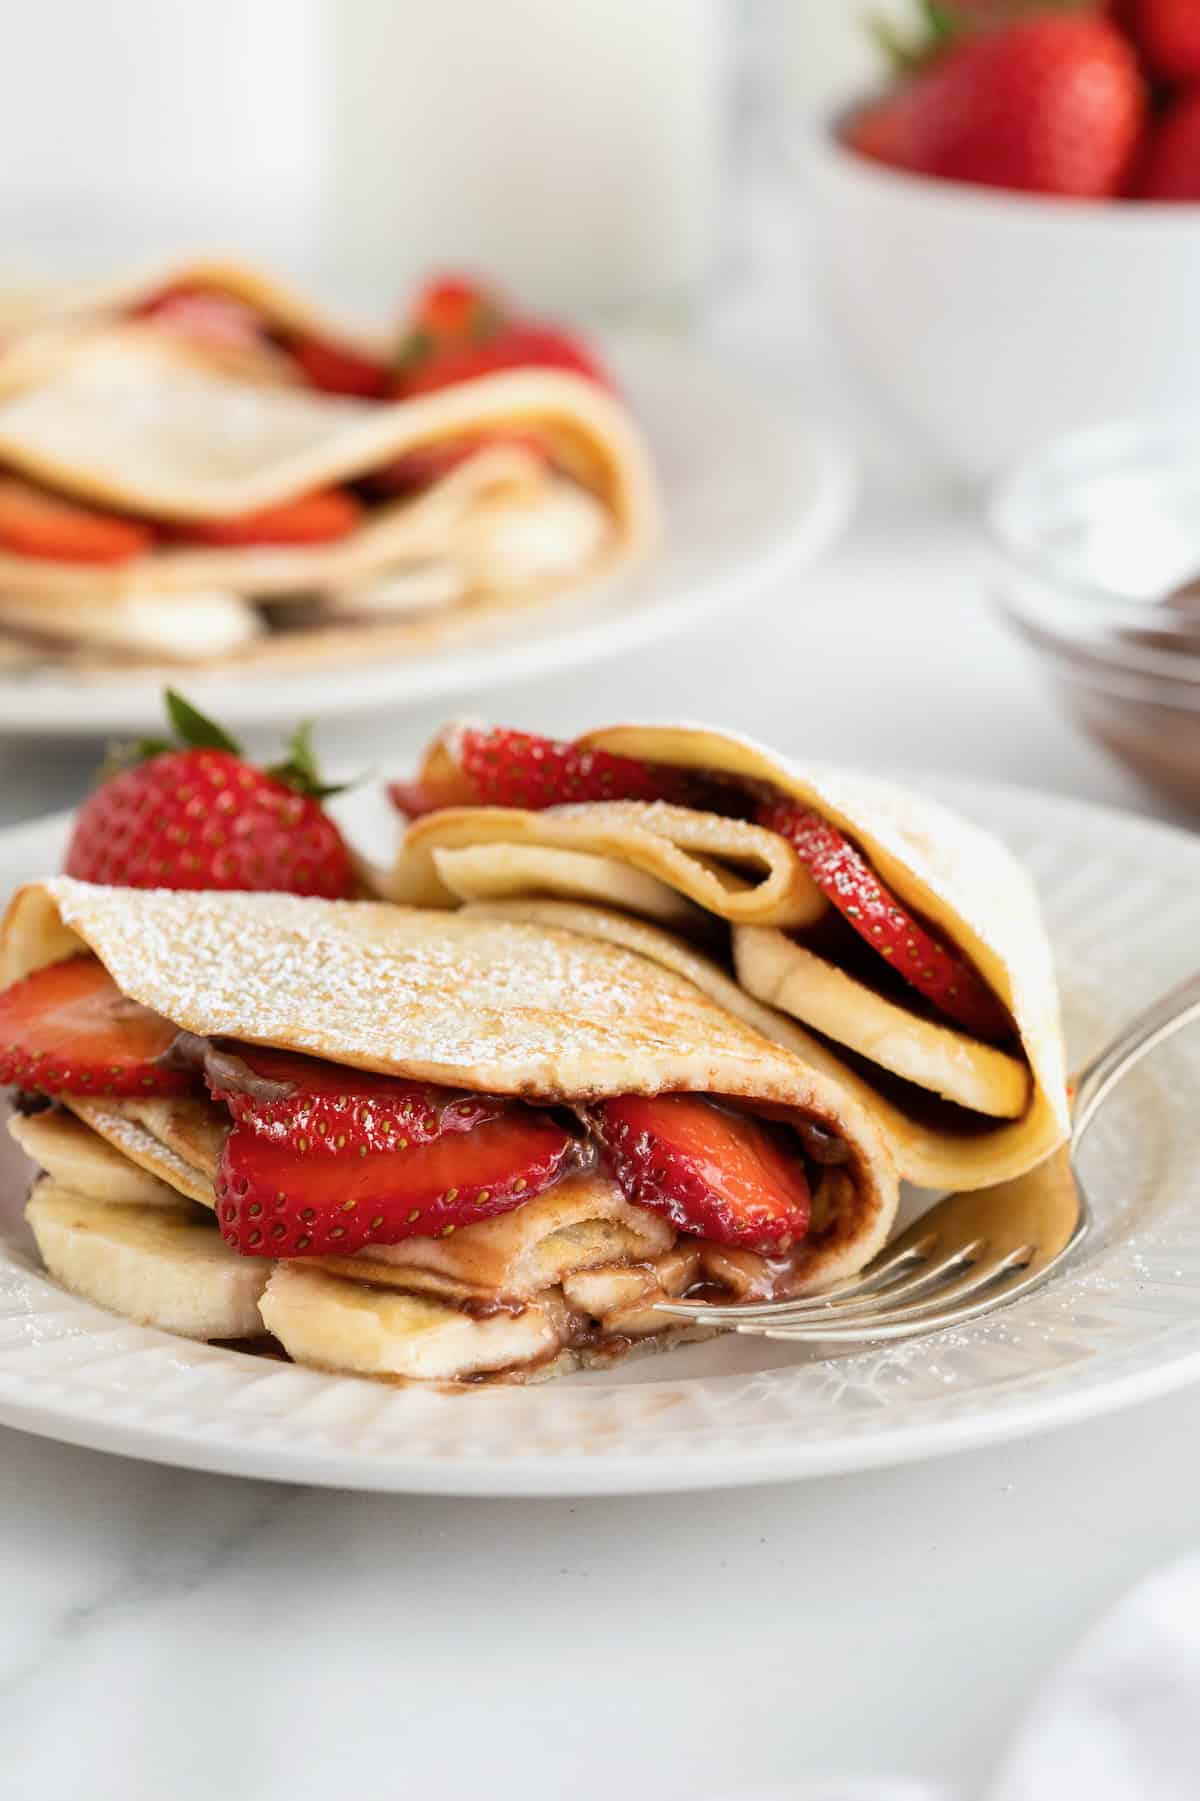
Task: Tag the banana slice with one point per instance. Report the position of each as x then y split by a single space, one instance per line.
340 1325
183 628
513 540
151 1264
775 969
78 1159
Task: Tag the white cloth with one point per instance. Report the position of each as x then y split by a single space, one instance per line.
1119 1722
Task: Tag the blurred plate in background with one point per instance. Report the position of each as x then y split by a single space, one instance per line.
749 496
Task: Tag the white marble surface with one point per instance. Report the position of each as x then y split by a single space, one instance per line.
186 1636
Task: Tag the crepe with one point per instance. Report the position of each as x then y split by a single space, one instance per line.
177 1141
135 422
956 1112
38 318
466 1001
727 867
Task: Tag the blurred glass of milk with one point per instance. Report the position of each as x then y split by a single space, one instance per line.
128 130
571 148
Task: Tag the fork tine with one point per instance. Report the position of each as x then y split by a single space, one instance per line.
983 1287
883 1302
854 1298
877 1278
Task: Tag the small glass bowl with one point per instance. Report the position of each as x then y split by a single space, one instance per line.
1097 539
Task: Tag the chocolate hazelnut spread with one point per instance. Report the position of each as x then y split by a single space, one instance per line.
822 1146
26 1102
223 1069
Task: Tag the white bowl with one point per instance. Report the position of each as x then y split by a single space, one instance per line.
994 322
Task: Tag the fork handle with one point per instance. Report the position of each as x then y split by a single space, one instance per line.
1168 1015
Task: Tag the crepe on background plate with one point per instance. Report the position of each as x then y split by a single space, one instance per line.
462 1000
38 318
142 425
957 1110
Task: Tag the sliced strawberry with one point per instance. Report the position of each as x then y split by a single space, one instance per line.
34 522
517 769
323 1103
68 1029
441 783
714 1172
335 369
930 965
496 767
316 518
288 1194
205 315
513 345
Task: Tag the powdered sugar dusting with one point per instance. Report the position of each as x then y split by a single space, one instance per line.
498 1004
492 1004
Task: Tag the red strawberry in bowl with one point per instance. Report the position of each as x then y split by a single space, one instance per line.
193 813
1167 32
1050 102
1170 167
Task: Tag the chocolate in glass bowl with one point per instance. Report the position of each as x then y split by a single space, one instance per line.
1098 541
1159 742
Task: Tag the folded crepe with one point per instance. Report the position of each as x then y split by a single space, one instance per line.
143 426
959 1106
542 1029
255 329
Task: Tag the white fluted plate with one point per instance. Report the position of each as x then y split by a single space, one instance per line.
1123 901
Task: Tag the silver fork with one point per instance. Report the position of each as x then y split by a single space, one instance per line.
970 1252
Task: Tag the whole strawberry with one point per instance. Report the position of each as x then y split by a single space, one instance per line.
1051 103
194 814
1170 168
459 330
449 310
1167 32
